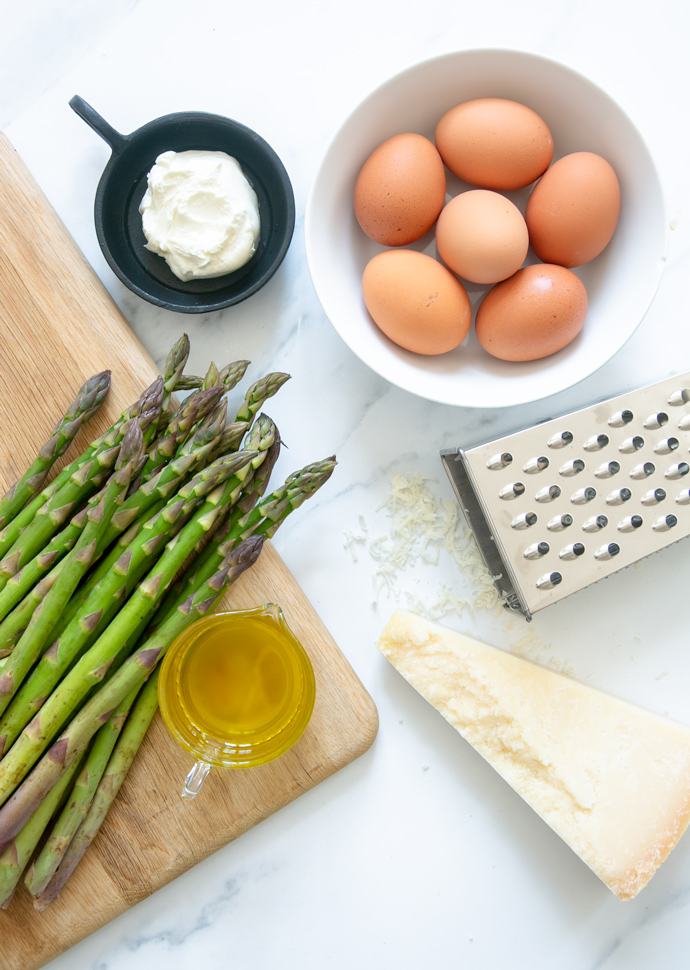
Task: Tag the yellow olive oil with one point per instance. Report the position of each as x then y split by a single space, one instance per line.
237 689
237 682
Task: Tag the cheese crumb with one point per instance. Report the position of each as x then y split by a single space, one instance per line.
424 529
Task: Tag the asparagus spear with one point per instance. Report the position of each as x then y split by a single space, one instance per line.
258 393
192 410
232 374
73 741
45 889
24 586
231 438
15 857
26 589
79 480
88 400
92 667
42 869
46 615
116 579
264 519
103 568
173 379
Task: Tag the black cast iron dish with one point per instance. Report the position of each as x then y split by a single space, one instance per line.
122 186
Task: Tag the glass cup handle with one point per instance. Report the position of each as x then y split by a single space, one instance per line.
195 779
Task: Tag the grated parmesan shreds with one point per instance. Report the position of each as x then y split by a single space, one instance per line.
420 528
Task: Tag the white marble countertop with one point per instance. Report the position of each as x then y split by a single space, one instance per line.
417 853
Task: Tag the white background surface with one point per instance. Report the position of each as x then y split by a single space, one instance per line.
417 854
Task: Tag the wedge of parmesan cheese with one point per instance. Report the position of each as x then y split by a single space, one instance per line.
611 778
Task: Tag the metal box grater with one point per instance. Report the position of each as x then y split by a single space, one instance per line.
566 503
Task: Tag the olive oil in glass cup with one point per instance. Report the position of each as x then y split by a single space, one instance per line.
236 690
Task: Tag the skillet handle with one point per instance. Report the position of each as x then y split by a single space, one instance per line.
92 118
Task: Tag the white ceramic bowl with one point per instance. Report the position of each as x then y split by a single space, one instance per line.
620 283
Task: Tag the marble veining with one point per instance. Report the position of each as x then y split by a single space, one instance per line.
417 854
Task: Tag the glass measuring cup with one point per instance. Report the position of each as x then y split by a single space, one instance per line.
236 690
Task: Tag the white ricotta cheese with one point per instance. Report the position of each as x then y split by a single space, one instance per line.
200 214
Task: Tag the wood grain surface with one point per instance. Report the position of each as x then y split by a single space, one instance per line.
58 325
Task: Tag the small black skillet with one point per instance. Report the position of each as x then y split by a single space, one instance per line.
122 186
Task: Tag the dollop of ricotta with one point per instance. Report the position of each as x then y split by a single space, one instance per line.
200 214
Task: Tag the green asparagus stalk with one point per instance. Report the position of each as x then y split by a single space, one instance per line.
188 382
181 423
259 392
42 869
46 615
116 581
88 400
212 374
232 374
47 888
231 437
24 587
173 380
74 739
73 485
16 855
30 584
104 567
264 519
93 665
256 395
25 579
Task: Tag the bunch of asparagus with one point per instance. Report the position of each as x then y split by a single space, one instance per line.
100 571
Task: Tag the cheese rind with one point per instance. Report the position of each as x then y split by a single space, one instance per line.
611 778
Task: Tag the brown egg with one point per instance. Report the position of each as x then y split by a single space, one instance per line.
482 236
573 210
400 190
416 301
494 143
535 313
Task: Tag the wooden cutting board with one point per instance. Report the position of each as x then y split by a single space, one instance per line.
58 326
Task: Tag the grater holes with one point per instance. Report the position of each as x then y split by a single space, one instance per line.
653 497
548 494
644 470
560 522
607 551
665 523
595 523
608 469
621 418
583 495
537 550
630 524
549 580
683 498
666 446
596 442
535 465
573 551
619 496
524 521
502 460
560 440
511 491
631 445
681 396
677 471
571 468
655 421
684 423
